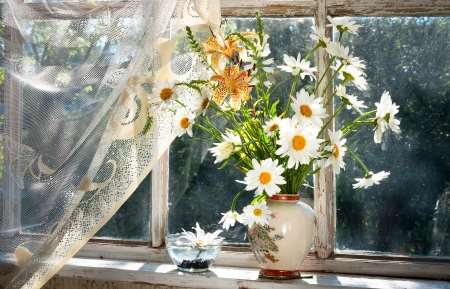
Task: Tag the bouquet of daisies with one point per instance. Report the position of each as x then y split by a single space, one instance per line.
274 147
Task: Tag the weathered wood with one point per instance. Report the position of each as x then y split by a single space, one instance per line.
159 205
389 7
357 263
286 8
11 202
225 277
238 8
323 180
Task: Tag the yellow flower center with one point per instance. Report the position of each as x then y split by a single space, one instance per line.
184 122
305 110
298 142
226 148
265 178
165 93
348 76
336 151
273 127
257 212
199 243
205 103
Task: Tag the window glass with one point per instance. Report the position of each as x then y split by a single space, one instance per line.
80 42
132 220
408 213
198 190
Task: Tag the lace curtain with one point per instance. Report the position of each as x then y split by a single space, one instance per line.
77 76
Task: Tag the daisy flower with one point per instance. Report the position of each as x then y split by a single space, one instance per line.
393 122
337 149
226 106
271 126
229 218
263 48
200 239
163 93
344 24
350 100
378 135
268 69
224 149
295 66
385 115
183 121
308 109
287 125
336 49
264 177
258 213
252 65
202 101
353 74
319 36
300 145
370 179
200 67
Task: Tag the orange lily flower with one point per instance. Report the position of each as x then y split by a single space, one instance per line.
233 82
218 47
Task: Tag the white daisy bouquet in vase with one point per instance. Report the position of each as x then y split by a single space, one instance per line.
275 147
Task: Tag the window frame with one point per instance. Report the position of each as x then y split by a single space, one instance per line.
324 259
12 121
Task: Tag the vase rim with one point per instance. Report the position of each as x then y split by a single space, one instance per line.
285 197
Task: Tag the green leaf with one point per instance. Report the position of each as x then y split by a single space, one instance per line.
148 125
273 108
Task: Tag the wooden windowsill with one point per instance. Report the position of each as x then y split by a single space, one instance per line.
224 277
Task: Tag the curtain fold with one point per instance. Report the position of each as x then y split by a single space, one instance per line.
77 77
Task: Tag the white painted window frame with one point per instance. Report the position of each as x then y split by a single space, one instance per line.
324 258
12 123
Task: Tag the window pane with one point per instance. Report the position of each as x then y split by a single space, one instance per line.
408 213
199 191
132 220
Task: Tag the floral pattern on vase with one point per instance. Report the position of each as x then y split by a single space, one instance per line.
281 246
263 243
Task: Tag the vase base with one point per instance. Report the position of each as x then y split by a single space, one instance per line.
282 274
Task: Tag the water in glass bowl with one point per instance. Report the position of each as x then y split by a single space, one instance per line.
191 258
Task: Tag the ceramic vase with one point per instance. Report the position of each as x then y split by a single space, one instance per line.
281 246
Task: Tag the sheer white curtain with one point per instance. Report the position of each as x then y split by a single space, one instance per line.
75 103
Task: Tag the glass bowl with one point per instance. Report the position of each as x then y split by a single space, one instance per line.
191 258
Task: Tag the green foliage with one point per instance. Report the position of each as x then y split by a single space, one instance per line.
195 45
260 23
148 125
399 216
408 59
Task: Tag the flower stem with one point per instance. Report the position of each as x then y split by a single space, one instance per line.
233 204
199 252
323 75
357 159
330 119
294 84
329 83
311 52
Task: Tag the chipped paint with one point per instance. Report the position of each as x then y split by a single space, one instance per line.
335 7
